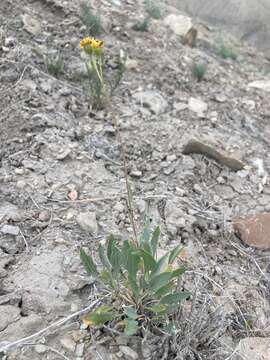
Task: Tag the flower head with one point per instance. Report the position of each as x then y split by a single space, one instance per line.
89 45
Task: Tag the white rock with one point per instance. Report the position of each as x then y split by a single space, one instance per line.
253 348
198 106
88 222
179 24
80 349
41 349
152 100
129 353
131 64
260 84
10 230
180 106
68 343
31 25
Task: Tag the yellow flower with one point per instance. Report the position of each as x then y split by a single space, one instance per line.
90 42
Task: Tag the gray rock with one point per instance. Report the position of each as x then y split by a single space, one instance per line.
8 314
41 349
129 353
136 173
9 211
260 84
253 348
179 24
10 230
152 100
43 284
68 343
80 349
175 218
198 106
88 222
31 25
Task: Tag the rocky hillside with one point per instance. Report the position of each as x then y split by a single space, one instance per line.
247 19
198 161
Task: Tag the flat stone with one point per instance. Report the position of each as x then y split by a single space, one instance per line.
254 230
41 349
253 348
10 230
152 100
261 84
68 343
88 222
31 25
196 147
8 314
179 24
128 352
198 106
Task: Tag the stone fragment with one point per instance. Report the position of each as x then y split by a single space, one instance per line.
197 147
88 222
254 230
68 343
41 349
260 84
31 25
151 99
198 106
179 24
129 353
253 348
8 315
10 230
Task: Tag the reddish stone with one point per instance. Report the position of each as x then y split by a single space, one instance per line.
254 230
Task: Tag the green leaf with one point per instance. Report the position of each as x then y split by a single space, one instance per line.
110 247
114 255
130 312
145 236
125 251
148 260
160 280
164 290
154 240
178 272
161 264
103 258
174 253
133 263
134 287
143 283
157 308
88 263
131 327
175 298
99 316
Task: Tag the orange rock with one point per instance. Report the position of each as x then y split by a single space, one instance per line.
73 195
254 230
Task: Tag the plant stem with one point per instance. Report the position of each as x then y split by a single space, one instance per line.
129 192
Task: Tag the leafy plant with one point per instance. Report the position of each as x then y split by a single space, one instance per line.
199 70
227 52
101 87
141 25
54 64
152 9
143 288
90 19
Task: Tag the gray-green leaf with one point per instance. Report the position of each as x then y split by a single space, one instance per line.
88 263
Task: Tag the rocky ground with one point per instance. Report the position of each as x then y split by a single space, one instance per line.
62 182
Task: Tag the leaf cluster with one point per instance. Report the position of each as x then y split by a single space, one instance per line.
143 285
